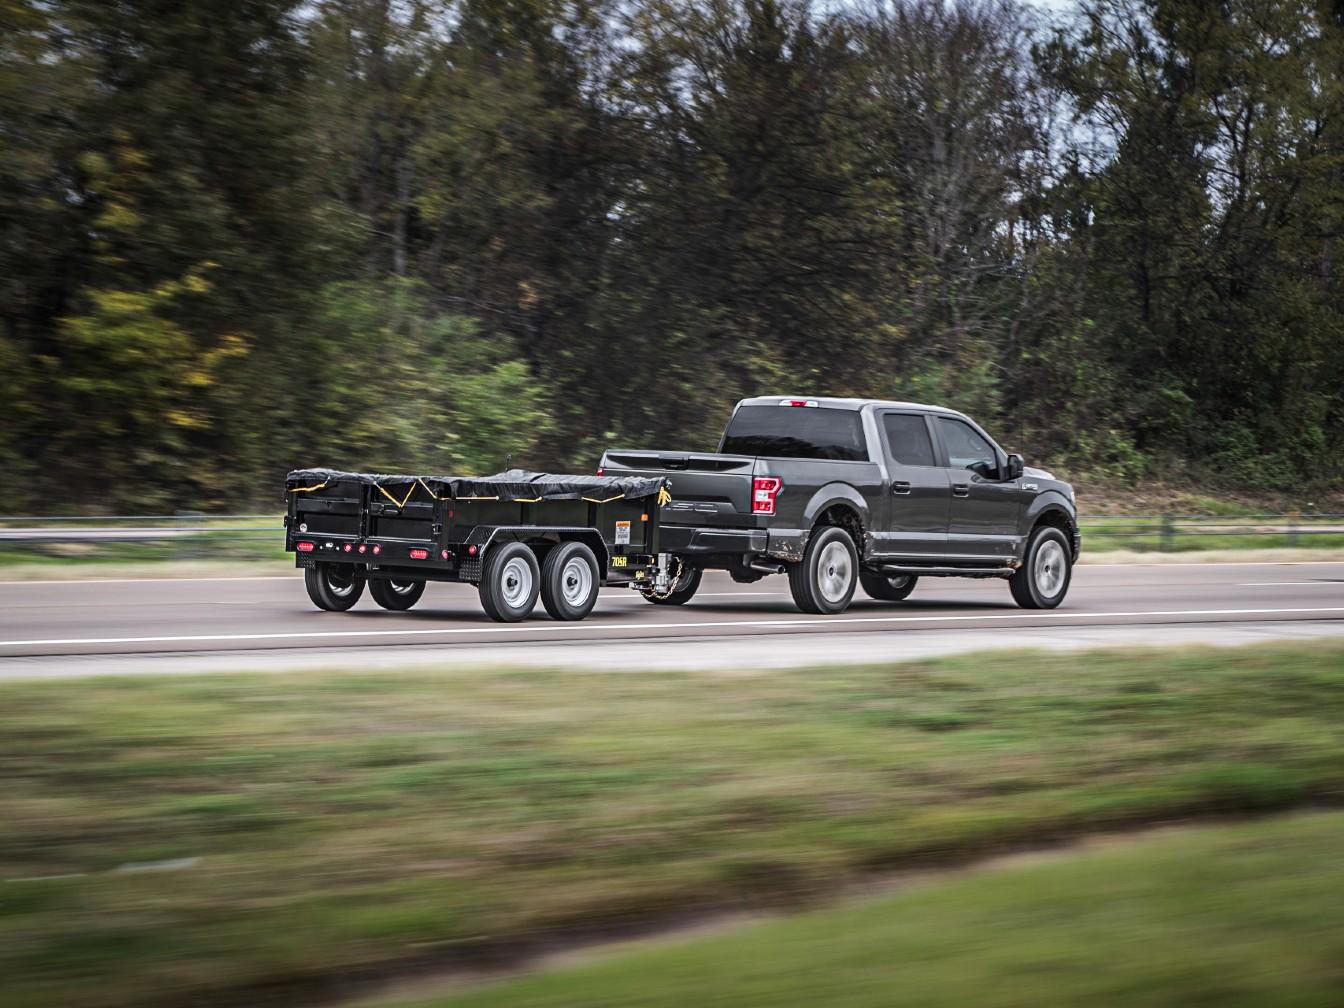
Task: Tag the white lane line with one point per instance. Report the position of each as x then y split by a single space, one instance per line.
1282 584
47 582
640 627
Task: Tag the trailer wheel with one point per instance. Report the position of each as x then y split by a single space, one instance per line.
334 587
825 581
510 581
569 581
397 596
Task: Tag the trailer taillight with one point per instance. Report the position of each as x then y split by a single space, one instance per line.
348 548
363 548
764 490
377 549
304 547
419 554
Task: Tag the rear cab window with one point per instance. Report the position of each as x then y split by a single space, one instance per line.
908 441
800 432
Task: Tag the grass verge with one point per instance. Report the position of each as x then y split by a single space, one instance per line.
1231 915
164 840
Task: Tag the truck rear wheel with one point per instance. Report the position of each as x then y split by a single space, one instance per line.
398 596
684 587
825 580
1043 580
569 581
886 588
510 581
334 587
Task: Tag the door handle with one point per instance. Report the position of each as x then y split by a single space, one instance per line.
900 488
961 489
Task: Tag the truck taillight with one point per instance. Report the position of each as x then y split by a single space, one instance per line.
304 547
599 470
764 490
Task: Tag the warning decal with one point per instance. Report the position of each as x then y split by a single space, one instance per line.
622 533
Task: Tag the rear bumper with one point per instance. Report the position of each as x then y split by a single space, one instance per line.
691 540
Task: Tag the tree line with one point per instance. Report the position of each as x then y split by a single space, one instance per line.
421 235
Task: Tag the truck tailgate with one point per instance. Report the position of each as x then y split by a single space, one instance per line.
707 490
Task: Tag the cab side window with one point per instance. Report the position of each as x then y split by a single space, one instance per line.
908 439
965 448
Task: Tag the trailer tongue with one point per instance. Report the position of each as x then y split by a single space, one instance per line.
517 535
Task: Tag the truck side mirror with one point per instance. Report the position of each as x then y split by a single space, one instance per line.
1014 467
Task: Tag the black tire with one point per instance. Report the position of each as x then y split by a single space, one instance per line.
824 582
334 587
1043 579
887 588
683 590
397 596
510 581
566 591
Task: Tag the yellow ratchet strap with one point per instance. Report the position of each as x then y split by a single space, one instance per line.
431 492
526 500
664 496
594 500
318 486
399 503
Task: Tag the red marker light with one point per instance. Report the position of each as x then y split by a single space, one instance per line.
363 548
347 547
419 554
304 547
377 549
443 554
764 490
471 551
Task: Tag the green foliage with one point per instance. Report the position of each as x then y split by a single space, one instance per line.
447 230
417 389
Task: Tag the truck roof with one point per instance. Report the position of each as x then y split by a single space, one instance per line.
830 402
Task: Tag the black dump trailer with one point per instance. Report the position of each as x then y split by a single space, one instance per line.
517 535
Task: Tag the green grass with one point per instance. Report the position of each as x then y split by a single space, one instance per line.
351 819
1247 915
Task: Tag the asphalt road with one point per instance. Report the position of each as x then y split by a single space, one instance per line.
269 621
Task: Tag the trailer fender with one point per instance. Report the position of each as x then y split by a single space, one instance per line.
541 539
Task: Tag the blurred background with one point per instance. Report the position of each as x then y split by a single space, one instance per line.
419 236
241 237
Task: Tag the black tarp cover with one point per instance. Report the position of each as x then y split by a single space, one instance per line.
513 485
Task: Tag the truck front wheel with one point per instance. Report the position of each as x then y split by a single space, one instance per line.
334 587
1043 580
396 596
825 580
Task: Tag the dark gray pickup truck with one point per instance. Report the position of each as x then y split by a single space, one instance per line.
841 492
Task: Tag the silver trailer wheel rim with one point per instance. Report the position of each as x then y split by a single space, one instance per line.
576 581
1050 568
834 572
899 582
516 582
403 587
340 585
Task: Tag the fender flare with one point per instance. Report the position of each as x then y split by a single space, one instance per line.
830 495
1048 503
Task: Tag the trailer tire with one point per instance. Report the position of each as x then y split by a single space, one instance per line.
682 591
334 587
569 581
510 581
396 596
824 582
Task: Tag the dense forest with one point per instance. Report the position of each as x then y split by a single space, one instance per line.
423 234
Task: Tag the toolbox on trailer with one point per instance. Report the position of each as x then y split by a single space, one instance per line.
517 535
